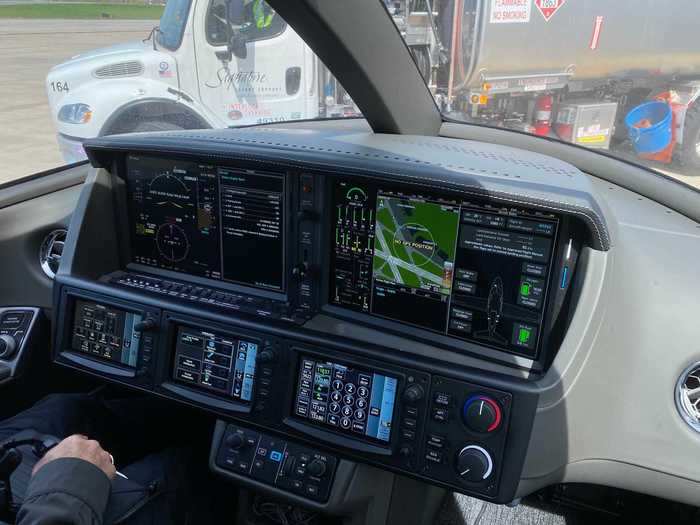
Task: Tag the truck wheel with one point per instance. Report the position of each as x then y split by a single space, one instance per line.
422 59
690 150
156 125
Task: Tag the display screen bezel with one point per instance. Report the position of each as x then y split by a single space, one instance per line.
325 429
170 372
73 307
126 226
63 352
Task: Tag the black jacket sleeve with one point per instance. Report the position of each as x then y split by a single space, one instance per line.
65 491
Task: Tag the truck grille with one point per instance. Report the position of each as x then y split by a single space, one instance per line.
131 68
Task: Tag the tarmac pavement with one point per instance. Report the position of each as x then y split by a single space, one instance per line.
28 49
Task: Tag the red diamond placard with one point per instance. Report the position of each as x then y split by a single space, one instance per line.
548 7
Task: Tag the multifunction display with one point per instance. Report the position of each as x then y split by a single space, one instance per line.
106 333
218 363
353 401
209 221
462 268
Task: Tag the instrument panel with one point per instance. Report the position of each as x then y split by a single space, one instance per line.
229 272
468 269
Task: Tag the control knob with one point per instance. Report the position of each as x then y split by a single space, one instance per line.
267 355
8 346
413 393
235 441
482 414
306 215
473 463
301 270
146 325
406 451
316 468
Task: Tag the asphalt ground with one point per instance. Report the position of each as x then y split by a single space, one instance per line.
28 49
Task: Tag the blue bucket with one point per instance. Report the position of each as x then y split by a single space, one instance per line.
656 137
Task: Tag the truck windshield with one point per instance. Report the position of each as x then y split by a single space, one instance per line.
619 77
172 23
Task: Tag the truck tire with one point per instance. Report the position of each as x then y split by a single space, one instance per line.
152 115
690 149
421 56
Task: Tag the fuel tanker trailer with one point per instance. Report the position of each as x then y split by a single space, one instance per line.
585 64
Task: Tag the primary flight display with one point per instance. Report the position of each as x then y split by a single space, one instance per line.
206 220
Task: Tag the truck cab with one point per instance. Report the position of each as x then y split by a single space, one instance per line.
209 64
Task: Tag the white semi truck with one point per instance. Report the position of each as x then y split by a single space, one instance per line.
551 67
188 75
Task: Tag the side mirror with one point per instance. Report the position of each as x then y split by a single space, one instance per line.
234 21
237 45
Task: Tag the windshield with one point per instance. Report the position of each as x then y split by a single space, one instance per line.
618 78
172 23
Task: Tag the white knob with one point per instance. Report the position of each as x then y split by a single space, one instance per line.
7 346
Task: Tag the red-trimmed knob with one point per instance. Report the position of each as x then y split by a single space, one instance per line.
482 414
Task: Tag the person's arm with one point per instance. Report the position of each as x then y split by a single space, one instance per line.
70 485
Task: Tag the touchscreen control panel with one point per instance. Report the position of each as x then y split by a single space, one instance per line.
472 271
107 333
217 363
108 337
353 401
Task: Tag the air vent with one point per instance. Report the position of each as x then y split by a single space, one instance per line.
51 252
688 396
131 68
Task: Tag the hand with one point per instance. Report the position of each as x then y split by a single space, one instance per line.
80 447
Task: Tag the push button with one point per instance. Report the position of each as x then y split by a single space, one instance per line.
297 484
12 320
242 466
442 398
408 435
434 455
435 441
524 336
441 415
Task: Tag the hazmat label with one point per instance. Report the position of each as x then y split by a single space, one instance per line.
510 11
549 7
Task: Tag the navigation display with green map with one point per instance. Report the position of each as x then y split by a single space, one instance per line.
415 242
465 268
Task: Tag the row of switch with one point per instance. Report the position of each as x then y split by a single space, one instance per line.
434 448
279 463
247 304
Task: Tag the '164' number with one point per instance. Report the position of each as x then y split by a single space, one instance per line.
59 86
